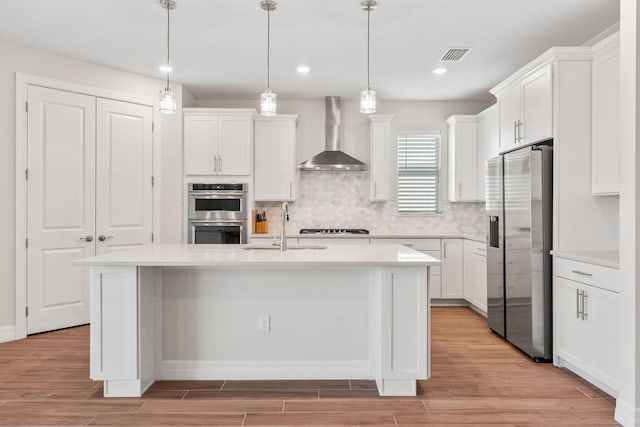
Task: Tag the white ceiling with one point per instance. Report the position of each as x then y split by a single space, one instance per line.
219 46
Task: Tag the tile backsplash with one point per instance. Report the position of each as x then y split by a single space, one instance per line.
341 200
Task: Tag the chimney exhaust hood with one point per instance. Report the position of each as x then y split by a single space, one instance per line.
332 159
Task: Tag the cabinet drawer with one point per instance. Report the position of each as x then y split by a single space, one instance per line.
417 244
590 274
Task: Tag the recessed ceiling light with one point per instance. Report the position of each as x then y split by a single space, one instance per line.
440 70
303 69
166 68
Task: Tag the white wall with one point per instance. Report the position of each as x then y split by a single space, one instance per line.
340 199
17 58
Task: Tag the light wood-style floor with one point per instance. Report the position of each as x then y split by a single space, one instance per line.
476 379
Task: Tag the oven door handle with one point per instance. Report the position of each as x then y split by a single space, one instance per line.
216 222
216 195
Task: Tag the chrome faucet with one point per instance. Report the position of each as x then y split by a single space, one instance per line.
283 230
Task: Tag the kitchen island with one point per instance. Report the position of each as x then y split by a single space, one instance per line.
225 312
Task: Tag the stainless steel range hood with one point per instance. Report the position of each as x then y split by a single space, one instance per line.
332 159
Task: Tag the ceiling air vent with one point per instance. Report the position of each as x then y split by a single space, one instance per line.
455 54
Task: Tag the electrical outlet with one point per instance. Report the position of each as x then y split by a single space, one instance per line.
264 323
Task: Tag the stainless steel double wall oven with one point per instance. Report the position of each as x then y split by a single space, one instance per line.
217 213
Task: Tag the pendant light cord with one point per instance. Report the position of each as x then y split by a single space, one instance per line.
268 48
368 43
168 10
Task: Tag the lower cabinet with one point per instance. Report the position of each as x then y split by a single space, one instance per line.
475 274
452 268
479 298
468 270
586 325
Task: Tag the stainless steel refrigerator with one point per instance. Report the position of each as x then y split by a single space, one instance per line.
524 250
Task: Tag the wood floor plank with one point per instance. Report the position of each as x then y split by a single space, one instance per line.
44 420
166 419
287 385
320 418
253 394
68 407
213 406
348 405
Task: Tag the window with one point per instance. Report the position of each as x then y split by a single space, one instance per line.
419 172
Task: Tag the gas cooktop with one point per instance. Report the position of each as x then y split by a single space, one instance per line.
333 231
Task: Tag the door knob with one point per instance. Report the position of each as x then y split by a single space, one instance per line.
102 237
88 238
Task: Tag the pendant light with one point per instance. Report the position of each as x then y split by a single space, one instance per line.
268 99
167 104
368 96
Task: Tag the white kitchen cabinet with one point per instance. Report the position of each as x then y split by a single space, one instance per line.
380 166
475 274
466 158
275 158
605 137
468 271
491 123
525 109
453 268
217 141
479 293
586 321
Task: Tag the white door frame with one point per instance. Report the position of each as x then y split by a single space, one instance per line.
22 82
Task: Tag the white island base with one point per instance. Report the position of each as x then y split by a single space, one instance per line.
223 313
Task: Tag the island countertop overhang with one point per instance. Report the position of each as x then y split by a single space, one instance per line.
185 255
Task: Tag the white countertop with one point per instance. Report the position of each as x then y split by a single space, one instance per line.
182 255
603 258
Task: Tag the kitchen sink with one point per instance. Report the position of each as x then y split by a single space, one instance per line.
277 248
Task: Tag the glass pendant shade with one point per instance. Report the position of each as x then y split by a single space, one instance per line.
368 101
167 103
268 103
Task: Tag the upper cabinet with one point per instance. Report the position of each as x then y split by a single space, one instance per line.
489 131
380 165
275 158
605 137
217 141
466 159
525 109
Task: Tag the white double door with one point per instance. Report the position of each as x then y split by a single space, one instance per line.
89 185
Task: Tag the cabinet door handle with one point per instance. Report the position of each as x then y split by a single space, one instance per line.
215 163
518 124
460 190
584 304
444 250
219 164
515 131
577 303
375 189
582 273
88 238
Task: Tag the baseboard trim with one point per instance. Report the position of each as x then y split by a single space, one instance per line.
562 363
626 414
7 333
263 370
